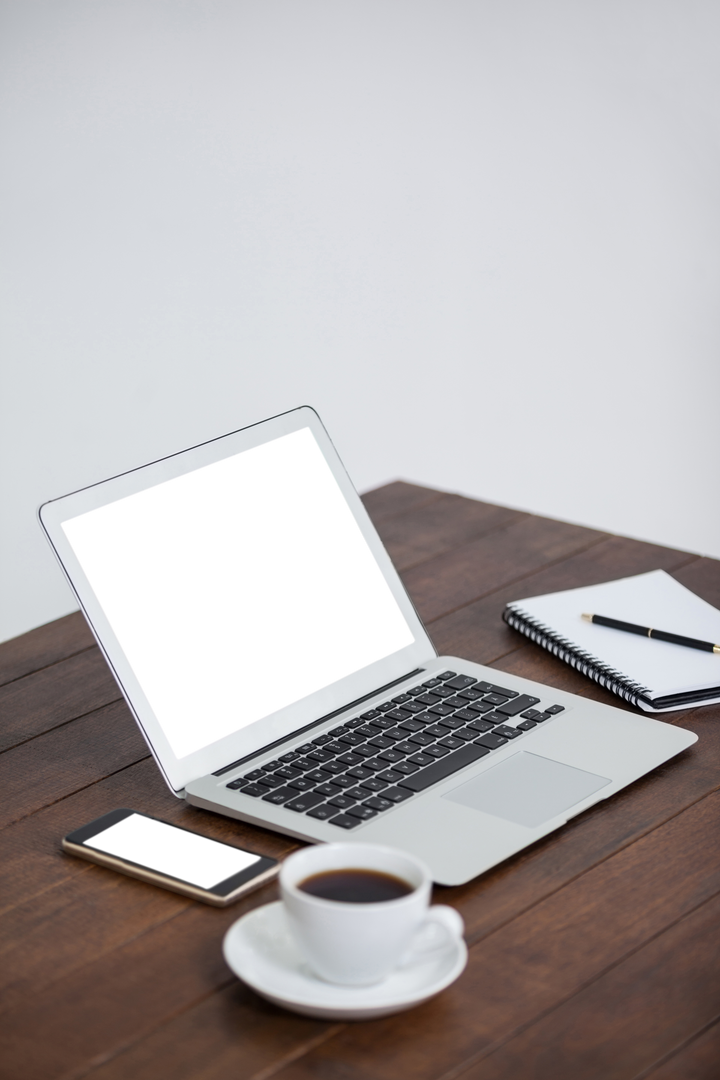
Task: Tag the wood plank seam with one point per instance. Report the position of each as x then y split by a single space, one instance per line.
486 1052
545 566
270 1070
53 663
76 791
117 1051
60 726
46 667
473 940
677 1049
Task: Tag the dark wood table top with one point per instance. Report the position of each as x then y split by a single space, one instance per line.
593 954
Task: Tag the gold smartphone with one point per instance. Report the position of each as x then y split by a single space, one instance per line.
173 858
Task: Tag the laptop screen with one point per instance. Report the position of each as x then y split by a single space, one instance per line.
239 588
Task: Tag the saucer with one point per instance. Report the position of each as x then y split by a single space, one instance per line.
260 949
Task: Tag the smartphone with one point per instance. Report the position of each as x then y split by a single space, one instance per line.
173 858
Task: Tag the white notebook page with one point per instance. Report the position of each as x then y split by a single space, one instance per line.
655 600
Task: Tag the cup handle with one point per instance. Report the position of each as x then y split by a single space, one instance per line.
441 926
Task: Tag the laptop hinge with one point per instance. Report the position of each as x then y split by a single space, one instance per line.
314 723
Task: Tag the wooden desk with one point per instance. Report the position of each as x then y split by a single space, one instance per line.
594 954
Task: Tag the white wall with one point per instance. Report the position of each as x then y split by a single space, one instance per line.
480 236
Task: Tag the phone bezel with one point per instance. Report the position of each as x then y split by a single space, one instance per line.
223 893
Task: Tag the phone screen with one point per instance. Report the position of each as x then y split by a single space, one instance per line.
172 851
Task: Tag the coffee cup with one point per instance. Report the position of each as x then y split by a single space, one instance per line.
358 911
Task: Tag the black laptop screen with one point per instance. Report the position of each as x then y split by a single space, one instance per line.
239 588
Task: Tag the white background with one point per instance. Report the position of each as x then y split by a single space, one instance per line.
481 237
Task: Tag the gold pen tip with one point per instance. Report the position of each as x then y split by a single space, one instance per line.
586 617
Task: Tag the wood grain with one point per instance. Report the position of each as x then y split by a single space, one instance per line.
45 699
44 646
593 953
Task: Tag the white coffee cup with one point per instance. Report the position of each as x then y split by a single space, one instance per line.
358 944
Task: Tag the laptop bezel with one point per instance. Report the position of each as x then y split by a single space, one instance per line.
250 740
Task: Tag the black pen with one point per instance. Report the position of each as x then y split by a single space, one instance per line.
646 631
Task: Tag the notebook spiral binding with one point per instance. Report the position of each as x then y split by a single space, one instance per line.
578 658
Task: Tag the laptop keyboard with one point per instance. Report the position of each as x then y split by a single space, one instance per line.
395 750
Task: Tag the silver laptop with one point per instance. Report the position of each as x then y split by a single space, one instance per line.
277 668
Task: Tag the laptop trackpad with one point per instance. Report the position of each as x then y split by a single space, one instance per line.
527 789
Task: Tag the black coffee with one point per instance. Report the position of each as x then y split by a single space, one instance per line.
356 886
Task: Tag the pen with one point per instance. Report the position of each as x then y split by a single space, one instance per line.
646 631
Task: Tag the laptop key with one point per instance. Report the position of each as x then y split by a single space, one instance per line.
360 772
254 790
319 756
451 722
327 790
436 751
352 739
451 742
305 802
333 767
421 759
390 775
527 725
398 714
390 756
288 773
363 812
376 803
411 726
460 682
413 706
442 692
317 777
322 813
447 675
465 714
271 781
292 755
496 699
432 682
254 775
517 705
441 710
421 739
322 740
397 795
466 735
428 699
480 726
440 770
401 699
491 741
405 767
344 781
381 742
555 709
354 723
349 759
365 751
370 714
480 706
282 795
471 693
506 732
341 802
301 784
373 784
344 822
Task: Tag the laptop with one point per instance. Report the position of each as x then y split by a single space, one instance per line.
280 674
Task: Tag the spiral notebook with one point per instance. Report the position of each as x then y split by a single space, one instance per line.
653 675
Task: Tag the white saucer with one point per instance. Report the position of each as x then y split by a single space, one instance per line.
261 952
